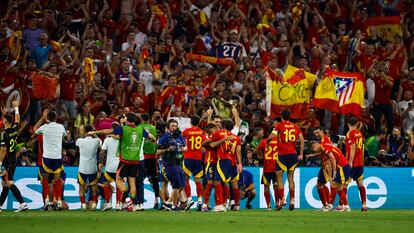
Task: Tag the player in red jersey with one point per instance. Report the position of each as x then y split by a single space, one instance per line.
193 164
340 171
236 167
325 170
288 134
355 155
210 165
269 152
224 171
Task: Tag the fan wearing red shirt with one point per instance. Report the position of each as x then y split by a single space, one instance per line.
288 134
382 106
269 167
355 155
193 164
171 95
340 172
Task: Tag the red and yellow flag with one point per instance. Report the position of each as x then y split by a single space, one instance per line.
389 26
340 92
291 91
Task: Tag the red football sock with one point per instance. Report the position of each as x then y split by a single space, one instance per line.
207 193
342 197
57 189
333 196
327 193
236 192
226 192
345 189
280 195
267 198
118 195
276 194
219 190
82 199
199 187
107 193
187 189
363 194
291 194
322 196
45 189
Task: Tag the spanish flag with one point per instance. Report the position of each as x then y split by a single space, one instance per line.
291 90
390 26
340 92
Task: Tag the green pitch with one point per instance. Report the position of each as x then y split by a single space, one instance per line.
232 222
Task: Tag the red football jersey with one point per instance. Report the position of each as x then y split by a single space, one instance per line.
326 139
232 145
223 150
211 154
288 134
194 138
337 153
270 155
355 137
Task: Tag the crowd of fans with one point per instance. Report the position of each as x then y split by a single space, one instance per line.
110 57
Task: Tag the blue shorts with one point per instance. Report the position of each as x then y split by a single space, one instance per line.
91 179
323 176
42 171
342 174
234 174
287 162
268 178
210 170
224 171
176 176
110 176
193 167
52 166
357 173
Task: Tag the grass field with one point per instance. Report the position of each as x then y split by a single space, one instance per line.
244 221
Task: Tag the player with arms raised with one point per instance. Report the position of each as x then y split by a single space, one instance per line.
355 156
193 164
288 134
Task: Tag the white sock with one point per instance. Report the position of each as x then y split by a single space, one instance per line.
200 200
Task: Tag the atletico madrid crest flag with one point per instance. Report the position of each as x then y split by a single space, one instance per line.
291 90
340 92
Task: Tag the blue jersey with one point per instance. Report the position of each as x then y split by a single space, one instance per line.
173 157
229 50
245 179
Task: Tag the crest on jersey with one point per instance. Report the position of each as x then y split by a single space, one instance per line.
344 88
134 137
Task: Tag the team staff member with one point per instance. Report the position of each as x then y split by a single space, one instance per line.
8 156
288 134
131 142
170 147
150 155
52 164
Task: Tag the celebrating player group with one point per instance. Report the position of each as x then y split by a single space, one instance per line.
211 155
